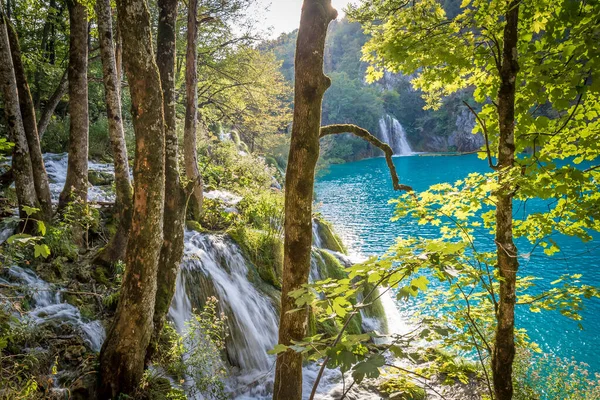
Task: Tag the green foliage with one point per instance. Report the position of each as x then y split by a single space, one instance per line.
196 358
550 377
56 137
215 216
99 140
402 389
224 167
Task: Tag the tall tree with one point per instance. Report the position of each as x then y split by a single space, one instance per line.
310 86
40 176
532 65
507 264
175 196
191 110
76 184
21 164
115 249
123 353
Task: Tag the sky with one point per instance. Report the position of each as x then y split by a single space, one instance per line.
284 15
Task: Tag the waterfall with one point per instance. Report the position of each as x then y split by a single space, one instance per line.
214 266
49 308
392 133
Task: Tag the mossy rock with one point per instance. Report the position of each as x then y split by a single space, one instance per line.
100 178
329 239
375 309
328 265
263 250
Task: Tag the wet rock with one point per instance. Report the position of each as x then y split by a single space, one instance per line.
100 178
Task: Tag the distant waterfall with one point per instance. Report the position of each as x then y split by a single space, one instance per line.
392 133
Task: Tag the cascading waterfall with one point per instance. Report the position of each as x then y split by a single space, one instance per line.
392 133
213 265
49 308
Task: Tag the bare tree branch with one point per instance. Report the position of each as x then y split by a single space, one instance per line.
364 134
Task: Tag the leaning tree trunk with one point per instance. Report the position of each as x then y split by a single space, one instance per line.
75 190
21 163
40 176
504 350
191 111
60 92
311 83
175 198
115 250
123 353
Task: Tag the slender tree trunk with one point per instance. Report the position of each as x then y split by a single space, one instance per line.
310 85
175 197
191 110
60 92
119 55
21 163
76 184
123 353
504 350
40 176
115 250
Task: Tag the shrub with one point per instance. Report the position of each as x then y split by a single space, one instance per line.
548 377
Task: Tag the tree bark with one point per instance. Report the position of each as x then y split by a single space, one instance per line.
21 163
115 250
123 353
40 176
60 92
191 111
175 197
76 184
310 86
504 350
364 134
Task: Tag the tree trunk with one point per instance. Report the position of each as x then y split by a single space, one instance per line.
191 111
76 184
115 250
175 197
40 176
310 85
504 350
123 353
21 163
60 92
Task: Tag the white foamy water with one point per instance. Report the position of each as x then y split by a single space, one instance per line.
56 166
49 307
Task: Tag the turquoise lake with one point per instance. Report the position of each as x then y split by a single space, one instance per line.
354 197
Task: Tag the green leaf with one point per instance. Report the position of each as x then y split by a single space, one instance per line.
41 250
30 210
41 226
279 348
368 368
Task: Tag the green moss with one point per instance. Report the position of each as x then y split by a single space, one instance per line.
194 226
265 251
375 308
328 265
329 239
101 275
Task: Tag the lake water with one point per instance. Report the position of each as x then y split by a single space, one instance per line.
354 197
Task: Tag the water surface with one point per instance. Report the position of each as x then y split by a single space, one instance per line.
355 197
